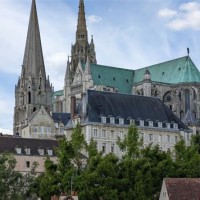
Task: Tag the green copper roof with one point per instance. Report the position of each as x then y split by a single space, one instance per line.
180 70
56 94
113 77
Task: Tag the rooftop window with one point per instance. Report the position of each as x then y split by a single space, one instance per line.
18 150
27 150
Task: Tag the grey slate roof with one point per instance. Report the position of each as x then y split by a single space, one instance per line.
128 106
61 117
9 143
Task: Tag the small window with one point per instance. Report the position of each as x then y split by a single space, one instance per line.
141 122
121 120
112 134
28 164
112 148
160 124
95 133
168 138
104 133
151 137
103 119
132 121
41 152
18 150
27 151
112 120
168 125
150 123
175 126
104 148
49 152
35 129
121 134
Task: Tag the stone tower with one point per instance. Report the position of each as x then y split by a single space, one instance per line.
147 84
81 52
33 88
82 49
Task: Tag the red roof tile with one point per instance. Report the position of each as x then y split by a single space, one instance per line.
183 188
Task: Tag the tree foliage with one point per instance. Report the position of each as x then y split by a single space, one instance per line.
137 175
14 185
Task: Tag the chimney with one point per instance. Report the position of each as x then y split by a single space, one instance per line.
73 107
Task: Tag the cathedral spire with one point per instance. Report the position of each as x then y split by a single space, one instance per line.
33 62
81 33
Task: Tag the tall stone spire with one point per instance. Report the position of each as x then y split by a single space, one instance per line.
33 89
81 49
33 62
81 33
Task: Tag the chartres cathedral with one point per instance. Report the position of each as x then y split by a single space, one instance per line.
39 110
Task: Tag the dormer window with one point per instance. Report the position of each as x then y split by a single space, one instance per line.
132 121
112 120
50 152
150 123
41 151
175 126
168 125
27 151
121 120
103 119
141 122
18 150
160 125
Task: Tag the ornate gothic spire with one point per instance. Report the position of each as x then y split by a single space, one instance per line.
33 62
81 33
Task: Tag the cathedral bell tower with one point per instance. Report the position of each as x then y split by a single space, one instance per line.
82 49
33 88
81 52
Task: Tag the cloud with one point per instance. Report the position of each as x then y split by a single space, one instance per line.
187 16
6 131
93 19
167 13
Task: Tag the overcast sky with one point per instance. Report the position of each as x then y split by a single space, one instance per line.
127 34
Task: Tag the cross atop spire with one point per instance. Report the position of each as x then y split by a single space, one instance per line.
33 62
81 33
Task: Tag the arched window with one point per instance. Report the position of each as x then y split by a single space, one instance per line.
167 97
179 96
194 114
194 94
34 109
187 100
29 97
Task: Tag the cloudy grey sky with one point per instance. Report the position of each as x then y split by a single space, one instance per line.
127 34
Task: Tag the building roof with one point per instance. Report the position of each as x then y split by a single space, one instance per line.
61 117
131 106
113 77
183 188
180 70
8 145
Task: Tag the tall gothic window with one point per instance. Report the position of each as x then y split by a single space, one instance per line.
29 97
187 100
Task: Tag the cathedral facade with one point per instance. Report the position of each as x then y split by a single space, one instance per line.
175 82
